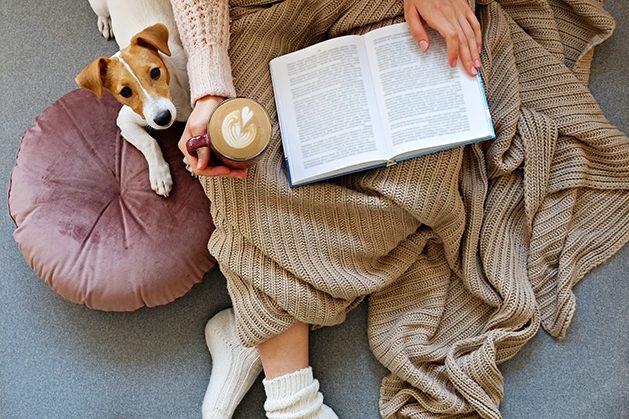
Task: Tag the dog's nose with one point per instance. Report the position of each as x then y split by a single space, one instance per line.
163 118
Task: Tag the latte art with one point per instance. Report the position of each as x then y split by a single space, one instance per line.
236 130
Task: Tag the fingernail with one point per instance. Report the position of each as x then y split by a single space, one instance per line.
477 64
423 45
474 72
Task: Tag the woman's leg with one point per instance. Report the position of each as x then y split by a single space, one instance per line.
234 367
291 389
286 352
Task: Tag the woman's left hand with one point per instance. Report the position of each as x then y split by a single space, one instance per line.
455 21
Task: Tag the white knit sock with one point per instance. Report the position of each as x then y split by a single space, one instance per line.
295 396
234 367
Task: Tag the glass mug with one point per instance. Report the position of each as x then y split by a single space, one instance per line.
238 133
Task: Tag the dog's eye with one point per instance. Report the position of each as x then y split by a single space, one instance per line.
126 92
155 73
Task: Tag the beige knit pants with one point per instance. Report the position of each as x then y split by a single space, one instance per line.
462 253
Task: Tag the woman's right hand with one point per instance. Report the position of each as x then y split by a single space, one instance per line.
455 21
197 125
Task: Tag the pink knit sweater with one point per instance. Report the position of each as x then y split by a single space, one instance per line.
204 29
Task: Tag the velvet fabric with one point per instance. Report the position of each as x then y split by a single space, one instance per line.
87 221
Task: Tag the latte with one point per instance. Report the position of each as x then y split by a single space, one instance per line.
238 132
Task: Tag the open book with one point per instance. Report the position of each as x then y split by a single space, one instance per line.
357 102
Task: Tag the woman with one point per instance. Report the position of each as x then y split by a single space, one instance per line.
291 389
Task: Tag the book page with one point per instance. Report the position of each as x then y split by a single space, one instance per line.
326 107
426 103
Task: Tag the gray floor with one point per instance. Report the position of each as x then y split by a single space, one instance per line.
61 360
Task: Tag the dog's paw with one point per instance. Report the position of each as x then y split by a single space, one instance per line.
105 28
161 180
189 168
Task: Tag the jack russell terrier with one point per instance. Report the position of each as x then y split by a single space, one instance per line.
148 75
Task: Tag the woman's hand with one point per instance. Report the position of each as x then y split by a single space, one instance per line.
197 125
455 21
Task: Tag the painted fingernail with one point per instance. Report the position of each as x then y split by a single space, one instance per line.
423 45
477 63
474 72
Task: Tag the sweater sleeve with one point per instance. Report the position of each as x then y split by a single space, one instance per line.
204 30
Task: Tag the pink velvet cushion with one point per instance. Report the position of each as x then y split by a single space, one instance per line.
87 221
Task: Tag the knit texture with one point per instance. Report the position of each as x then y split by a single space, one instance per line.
204 31
234 367
295 396
463 253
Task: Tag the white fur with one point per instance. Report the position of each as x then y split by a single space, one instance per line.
123 19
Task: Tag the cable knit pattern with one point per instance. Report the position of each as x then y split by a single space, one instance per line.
465 252
204 31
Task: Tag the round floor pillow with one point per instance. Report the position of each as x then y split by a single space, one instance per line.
87 221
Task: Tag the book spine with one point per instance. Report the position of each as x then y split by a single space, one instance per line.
489 120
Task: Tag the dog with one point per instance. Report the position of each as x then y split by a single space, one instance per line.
148 75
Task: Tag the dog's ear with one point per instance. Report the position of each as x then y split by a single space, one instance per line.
92 77
154 37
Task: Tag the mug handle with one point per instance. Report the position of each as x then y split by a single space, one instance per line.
197 142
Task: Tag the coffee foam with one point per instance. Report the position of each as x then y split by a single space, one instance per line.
239 129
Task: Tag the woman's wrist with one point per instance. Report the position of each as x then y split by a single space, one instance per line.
203 108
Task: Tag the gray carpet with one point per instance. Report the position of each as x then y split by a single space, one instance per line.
62 360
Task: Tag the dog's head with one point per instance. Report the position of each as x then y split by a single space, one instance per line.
137 77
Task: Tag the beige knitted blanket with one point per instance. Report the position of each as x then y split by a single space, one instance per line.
463 253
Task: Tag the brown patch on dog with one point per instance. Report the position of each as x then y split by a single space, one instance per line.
142 57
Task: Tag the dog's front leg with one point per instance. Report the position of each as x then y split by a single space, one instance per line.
101 9
132 128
